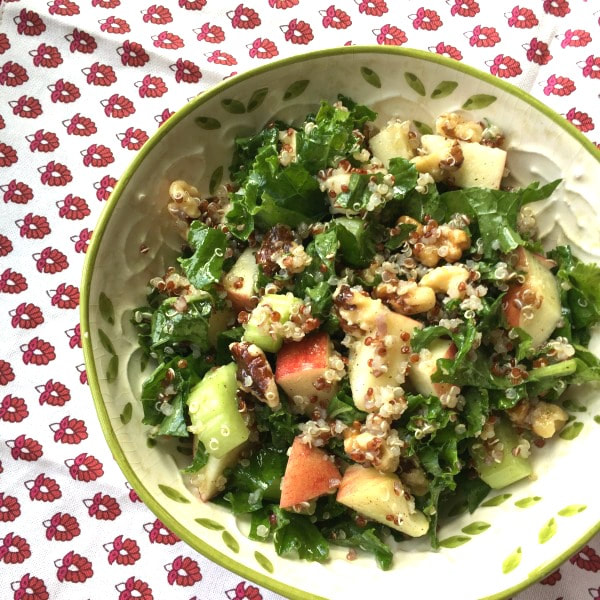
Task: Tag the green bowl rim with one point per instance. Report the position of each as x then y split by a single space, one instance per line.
113 443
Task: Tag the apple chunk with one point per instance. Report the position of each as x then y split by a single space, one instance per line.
392 141
240 281
420 373
533 305
380 496
309 473
301 368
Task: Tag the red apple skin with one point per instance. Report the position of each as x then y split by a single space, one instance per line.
301 364
309 474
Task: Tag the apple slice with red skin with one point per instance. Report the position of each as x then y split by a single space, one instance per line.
239 282
380 496
301 365
540 292
420 373
310 473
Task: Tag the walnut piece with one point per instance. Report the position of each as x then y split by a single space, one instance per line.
405 297
452 125
254 373
543 418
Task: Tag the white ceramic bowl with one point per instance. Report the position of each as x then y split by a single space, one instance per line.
512 540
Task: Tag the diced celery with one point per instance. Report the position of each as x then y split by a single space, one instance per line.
213 409
511 468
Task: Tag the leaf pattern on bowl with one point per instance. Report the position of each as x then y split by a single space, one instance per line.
106 308
415 83
257 98
454 541
547 531
572 431
423 128
478 101
572 509
215 179
113 369
235 107
173 494
125 415
512 561
208 123
295 89
106 343
264 562
231 542
497 500
527 502
210 524
443 89
476 528
370 77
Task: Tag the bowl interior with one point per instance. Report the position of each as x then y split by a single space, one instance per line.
516 536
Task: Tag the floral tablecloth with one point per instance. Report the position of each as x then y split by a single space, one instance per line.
82 85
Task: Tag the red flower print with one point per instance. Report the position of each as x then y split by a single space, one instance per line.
132 139
167 41
581 120
163 117
82 374
104 187
192 4
80 125
74 568
558 8
244 17
374 8
73 208
12 282
38 352
82 240
33 227
160 533
2 123
62 527
74 336
465 8
81 41
212 34
132 493
6 373
46 56
118 106
12 410
134 589
283 4
97 155
4 43
85 467
559 86
245 592
64 8
106 3
29 23
122 551
447 50
69 431
24 448
30 588
591 67
159 15
538 52
13 74
102 75
576 38
586 559
26 107
152 86
6 246
14 549
53 393
10 508
186 71
103 507
335 18
552 579
183 571
263 49
114 25
44 489
221 58
26 316
298 32
17 192
522 18
43 141
51 260
390 35
64 91
133 54
426 19
8 155
65 296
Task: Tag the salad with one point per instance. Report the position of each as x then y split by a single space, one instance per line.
363 335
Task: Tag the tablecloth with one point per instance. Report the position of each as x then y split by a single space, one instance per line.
83 83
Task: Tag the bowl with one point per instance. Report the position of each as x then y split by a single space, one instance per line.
516 536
